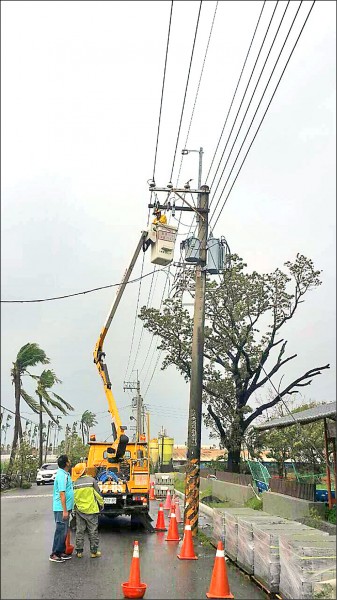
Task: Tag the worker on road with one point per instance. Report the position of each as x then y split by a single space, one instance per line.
63 503
88 502
158 219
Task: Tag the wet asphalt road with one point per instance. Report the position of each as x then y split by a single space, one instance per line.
27 529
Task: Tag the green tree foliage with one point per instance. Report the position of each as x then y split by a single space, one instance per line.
25 464
298 443
47 400
73 446
28 356
4 430
88 420
244 315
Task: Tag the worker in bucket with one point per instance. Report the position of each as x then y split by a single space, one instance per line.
88 502
159 219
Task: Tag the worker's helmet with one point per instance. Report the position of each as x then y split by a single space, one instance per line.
79 469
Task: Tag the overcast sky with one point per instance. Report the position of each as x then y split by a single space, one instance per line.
81 86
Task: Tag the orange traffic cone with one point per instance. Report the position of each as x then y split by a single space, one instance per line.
219 586
134 588
177 511
173 500
69 546
160 525
167 504
173 533
152 496
187 549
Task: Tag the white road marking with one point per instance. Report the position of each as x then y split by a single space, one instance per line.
28 496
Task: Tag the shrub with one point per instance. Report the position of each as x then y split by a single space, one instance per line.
330 515
254 503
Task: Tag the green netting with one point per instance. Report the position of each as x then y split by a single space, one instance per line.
307 477
259 472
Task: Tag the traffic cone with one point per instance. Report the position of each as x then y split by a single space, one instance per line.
219 586
160 525
167 504
134 588
69 546
173 533
187 549
173 500
177 511
152 496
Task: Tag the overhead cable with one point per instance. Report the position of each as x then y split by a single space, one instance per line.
197 92
103 287
264 114
237 85
244 95
162 92
252 95
135 319
186 87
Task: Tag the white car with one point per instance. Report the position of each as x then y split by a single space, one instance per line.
47 473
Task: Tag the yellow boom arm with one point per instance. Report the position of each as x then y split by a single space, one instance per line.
99 355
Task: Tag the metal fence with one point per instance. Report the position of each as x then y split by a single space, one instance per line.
306 491
238 478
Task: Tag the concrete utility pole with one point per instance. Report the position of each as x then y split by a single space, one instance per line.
192 482
137 403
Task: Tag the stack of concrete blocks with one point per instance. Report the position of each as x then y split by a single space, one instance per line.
267 553
304 561
218 530
162 483
245 553
230 525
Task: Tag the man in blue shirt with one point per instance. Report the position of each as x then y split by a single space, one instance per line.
63 503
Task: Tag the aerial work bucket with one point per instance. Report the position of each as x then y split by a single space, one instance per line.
162 250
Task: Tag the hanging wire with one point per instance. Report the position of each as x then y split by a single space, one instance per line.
162 91
135 320
244 95
237 85
197 92
264 114
186 87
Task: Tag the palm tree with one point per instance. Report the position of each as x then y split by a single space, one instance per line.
88 420
5 428
29 355
45 381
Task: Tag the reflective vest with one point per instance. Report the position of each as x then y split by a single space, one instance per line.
87 498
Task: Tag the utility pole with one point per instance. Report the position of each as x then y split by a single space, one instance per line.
192 481
137 403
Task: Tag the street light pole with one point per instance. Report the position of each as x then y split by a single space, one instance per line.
200 152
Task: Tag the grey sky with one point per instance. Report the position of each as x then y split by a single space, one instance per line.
81 84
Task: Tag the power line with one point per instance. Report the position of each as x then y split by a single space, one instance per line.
162 91
103 287
243 97
237 85
183 106
135 319
270 101
24 418
197 92
252 96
